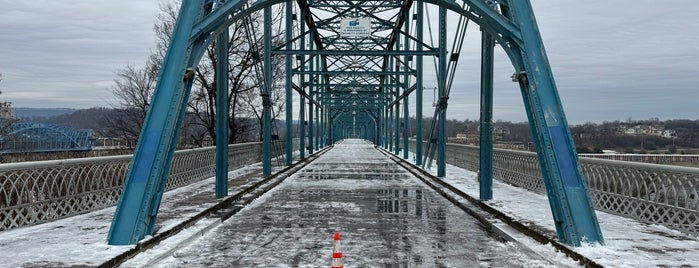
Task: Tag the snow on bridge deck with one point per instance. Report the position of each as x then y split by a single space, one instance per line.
387 218
355 190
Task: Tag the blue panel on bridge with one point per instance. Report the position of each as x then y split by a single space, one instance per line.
145 161
567 165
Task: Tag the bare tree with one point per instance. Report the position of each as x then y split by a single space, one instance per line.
133 91
135 85
244 79
7 118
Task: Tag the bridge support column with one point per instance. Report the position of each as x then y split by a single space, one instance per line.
289 90
311 90
396 132
140 200
419 24
441 83
302 100
222 114
267 91
572 207
486 134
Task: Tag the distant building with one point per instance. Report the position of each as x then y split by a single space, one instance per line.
669 133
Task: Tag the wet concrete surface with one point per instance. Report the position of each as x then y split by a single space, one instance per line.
386 217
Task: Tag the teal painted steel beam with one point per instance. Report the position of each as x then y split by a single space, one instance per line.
377 53
397 109
406 111
419 24
333 85
318 129
486 133
355 73
302 99
288 83
311 92
571 204
405 94
441 83
267 92
138 205
222 110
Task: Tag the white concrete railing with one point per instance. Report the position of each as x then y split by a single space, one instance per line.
651 193
36 192
648 158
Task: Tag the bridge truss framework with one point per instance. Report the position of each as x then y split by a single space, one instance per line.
358 86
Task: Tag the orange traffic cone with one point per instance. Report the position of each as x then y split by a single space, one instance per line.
337 253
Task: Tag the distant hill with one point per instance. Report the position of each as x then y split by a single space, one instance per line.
28 113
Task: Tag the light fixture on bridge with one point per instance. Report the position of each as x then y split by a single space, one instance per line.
354 103
354 91
354 112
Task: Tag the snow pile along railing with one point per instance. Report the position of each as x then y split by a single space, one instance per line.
37 192
651 193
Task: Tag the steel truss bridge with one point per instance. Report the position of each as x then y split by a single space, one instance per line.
355 65
42 138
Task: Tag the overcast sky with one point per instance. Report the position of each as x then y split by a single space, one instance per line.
611 59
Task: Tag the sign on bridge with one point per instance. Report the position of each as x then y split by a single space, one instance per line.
355 27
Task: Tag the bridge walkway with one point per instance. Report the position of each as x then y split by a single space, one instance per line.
385 215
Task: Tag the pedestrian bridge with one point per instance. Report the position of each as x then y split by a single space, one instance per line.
388 211
354 66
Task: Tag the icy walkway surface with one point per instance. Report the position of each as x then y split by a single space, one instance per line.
387 218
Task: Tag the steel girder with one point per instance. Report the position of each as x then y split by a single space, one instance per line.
366 64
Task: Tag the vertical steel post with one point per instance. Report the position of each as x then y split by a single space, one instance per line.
390 128
318 128
266 100
397 88
311 89
289 90
302 82
406 110
222 114
419 24
441 82
138 206
396 148
571 204
486 134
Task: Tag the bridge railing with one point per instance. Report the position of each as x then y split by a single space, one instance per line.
37 192
648 158
651 193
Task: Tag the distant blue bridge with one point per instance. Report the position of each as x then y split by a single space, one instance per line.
42 138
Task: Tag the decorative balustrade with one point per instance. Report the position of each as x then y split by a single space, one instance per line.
36 192
648 158
651 193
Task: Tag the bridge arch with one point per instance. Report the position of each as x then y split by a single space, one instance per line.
508 23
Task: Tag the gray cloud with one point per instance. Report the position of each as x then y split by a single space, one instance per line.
611 59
